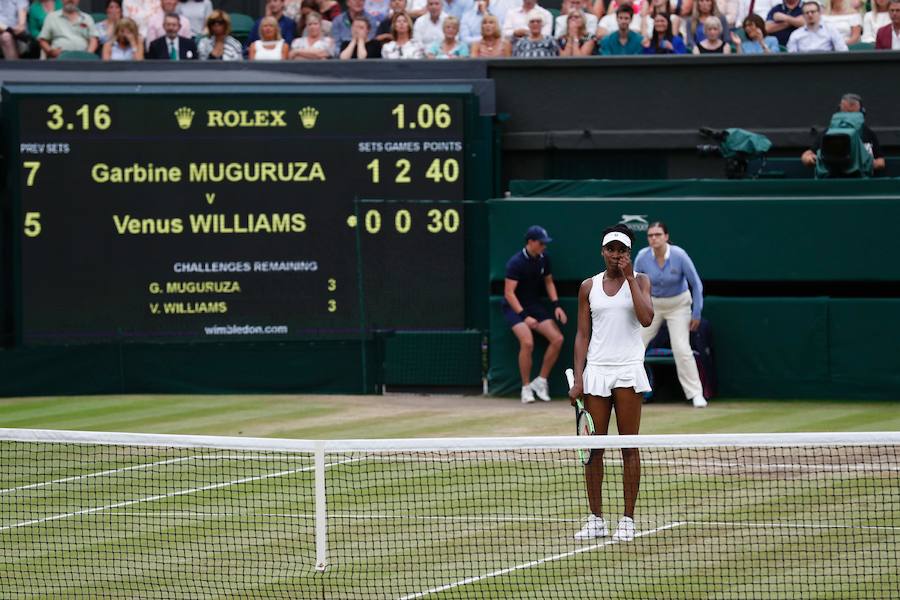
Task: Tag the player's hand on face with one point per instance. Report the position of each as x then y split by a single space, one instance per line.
575 392
625 266
560 315
531 322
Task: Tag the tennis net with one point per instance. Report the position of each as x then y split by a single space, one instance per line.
104 515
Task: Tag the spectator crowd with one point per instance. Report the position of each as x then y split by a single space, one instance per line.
134 30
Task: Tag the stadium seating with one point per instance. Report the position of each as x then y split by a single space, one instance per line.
241 25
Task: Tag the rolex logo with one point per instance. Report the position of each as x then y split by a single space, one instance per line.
308 116
184 116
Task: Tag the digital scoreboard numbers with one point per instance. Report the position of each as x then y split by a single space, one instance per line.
238 216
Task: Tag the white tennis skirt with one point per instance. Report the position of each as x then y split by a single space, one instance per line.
600 380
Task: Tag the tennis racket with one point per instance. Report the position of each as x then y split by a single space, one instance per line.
584 424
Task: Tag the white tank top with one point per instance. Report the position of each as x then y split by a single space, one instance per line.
615 329
263 53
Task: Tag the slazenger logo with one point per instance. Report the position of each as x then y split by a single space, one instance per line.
635 222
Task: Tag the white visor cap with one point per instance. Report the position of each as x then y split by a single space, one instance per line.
617 236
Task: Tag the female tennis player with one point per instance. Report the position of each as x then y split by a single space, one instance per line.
609 371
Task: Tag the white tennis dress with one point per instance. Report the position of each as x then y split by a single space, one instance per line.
615 356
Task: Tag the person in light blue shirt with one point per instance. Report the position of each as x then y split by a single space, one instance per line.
672 273
757 41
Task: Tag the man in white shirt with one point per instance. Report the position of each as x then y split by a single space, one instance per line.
429 28
815 36
561 27
515 23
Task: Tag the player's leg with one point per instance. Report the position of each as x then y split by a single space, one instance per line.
526 347
628 421
554 336
600 409
679 320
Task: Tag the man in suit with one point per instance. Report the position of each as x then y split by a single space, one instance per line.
172 46
888 37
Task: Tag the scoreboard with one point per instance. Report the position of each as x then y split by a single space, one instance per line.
274 213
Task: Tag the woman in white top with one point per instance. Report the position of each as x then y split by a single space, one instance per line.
313 45
875 19
270 45
847 21
609 371
403 45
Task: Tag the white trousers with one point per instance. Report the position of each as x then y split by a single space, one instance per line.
676 312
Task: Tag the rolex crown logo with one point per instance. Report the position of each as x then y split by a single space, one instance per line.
308 116
184 116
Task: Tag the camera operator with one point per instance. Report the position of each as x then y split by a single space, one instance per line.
851 103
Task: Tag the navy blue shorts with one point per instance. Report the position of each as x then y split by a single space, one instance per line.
538 311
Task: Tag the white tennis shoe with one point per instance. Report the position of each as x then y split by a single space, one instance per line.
527 394
594 527
699 401
540 388
625 530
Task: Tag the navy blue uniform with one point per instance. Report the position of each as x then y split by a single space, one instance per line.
530 273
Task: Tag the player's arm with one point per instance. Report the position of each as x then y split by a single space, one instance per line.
640 291
582 337
558 312
643 303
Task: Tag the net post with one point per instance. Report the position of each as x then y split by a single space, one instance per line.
321 511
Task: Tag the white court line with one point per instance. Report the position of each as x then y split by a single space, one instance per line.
794 525
534 563
479 519
97 474
212 486
209 457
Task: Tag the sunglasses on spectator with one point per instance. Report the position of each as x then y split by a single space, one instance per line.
217 22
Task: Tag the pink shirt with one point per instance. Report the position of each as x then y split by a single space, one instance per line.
155 28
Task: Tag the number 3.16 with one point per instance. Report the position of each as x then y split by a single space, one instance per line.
98 118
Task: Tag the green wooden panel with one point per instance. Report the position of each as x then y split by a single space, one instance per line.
864 351
770 347
235 367
433 358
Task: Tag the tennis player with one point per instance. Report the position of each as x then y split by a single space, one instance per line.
609 369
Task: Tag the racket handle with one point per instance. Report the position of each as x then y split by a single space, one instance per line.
570 377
